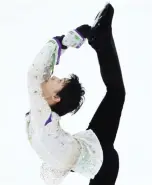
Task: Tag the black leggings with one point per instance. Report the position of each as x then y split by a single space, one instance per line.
106 119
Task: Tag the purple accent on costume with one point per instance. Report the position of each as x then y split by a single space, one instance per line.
49 120
59 51
80 34
81 37
79 45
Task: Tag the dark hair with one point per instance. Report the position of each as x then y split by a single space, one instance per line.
72 97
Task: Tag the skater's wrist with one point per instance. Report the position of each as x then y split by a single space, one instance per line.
59 40
73 39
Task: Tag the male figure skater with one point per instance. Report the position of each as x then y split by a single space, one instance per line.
91 152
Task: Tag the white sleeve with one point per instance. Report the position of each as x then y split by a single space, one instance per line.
63 151
41 69
52 137
64 147
52 176
73 39
44 62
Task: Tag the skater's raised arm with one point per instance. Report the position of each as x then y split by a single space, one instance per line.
44 120
38 72
43 66
43 63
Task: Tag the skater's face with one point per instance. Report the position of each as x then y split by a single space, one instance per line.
52 87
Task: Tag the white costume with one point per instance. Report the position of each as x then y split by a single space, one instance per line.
60 151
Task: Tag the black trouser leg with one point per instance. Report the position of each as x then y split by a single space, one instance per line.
106 119
109 170
105 122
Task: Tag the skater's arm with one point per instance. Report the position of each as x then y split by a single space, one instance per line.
44 62
53 176
49 56
40 70
59 144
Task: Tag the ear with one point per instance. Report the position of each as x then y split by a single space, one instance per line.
56 98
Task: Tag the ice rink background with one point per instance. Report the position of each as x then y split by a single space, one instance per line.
25 26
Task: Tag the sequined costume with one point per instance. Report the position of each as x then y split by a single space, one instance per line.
60 151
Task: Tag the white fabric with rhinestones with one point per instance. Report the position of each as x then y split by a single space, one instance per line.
91 157
73 39
60 151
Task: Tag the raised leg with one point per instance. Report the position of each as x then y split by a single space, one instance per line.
105 121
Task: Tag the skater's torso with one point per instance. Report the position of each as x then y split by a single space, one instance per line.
86 157
58 149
